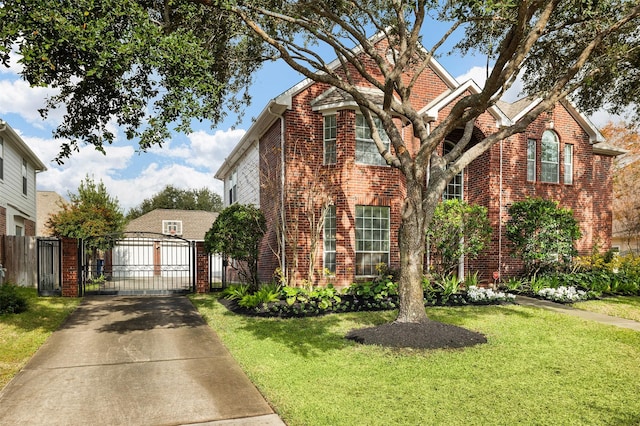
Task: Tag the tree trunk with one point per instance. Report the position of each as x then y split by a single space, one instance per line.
412 249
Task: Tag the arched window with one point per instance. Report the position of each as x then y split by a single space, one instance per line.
549 161
454 188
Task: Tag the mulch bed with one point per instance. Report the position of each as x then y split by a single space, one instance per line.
424 335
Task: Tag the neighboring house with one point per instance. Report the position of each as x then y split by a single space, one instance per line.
48 203
18 169
188 224
308 161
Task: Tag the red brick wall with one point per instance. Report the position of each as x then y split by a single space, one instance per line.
3 221
29 228
495 180
202 269
70 272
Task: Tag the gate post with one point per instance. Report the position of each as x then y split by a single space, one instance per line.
70 267
202 268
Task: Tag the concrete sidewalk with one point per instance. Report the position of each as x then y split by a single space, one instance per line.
566 309
134 361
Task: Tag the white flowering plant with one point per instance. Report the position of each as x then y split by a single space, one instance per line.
564 294
486 295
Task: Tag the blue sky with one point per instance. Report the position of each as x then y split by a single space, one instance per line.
187 161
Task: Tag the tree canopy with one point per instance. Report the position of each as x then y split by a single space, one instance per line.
150 64
91 214
175 198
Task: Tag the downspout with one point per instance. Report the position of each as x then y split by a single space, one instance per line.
500 201
283 254
428 251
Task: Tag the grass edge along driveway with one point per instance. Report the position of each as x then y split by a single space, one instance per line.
22 334
538 367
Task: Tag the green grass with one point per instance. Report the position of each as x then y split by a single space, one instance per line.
22 334
621 306
538 368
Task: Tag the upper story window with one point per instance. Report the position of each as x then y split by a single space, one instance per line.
366 149
233 187
24 176
568 164
454 188
1 159
550 157
172 227
531 160
329 137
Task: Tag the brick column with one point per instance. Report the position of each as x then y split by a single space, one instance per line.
70 264
202 269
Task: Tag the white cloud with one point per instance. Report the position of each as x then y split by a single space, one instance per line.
479 76
17 97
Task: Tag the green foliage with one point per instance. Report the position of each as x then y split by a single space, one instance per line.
449 285
92 214
267 293
236 233
182 199
150 66
458 229
11 301
542 234
236 291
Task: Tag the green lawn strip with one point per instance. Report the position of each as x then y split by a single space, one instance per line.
620 306
22 334
538 367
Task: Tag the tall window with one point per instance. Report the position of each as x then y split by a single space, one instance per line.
568 164
172 227
372 238
366 149
330 139
24 176
531 160
1 159
330 240
453 191
233 187
549 161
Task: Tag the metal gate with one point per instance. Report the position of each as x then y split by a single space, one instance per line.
140 263
49 257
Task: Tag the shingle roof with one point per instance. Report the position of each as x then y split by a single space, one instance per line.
195 223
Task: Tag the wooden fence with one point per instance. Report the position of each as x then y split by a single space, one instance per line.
19 259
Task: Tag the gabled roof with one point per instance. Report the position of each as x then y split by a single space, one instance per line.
277 106
195 223
21 146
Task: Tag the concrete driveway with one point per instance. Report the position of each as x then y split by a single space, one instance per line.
133 361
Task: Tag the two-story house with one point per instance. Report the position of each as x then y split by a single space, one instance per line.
333 206
18 169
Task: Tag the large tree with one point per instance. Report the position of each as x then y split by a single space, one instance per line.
117 55
92 214
175 198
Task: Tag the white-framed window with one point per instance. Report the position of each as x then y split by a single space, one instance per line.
454 189
1 159
233 187
330 240
568 164
24 176
172 227
329 137
366 149
549 161
372 238
531 160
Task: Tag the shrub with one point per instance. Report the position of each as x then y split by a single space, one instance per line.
564 294
11 301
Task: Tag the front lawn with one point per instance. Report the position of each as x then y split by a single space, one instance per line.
538 367
621 306
22 334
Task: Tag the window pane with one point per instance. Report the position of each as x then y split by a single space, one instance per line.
330 131
531 160
549 158
372 238
366 149
568 164
330 240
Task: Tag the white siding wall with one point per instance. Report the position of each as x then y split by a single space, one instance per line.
248 187
19 207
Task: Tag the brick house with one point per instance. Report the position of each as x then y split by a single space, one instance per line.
333 206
